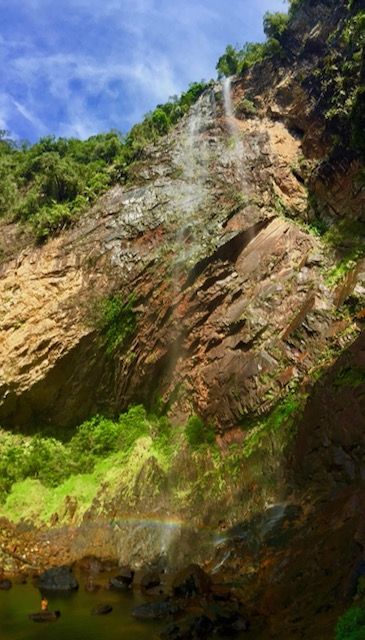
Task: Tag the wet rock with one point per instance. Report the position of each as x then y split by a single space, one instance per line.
5 585
57 579
191 628
45 616
102 609
156 610
150 581
190 582
123 580
227 619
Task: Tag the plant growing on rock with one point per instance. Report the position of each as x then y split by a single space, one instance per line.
116 320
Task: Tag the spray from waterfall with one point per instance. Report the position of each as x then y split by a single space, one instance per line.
230 118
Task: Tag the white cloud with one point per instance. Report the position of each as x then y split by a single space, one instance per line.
36 123
99 63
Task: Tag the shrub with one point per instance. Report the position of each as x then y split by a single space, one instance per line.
198 433
246 108
51 461
228 64
116 319
351 626
275 24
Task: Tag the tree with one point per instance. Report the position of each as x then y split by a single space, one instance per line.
228 63
275 24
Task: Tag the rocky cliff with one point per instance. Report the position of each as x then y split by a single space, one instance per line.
238 244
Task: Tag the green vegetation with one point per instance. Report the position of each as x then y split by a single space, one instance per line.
351 626
237 61
116 319
342 82
245 108
51 461
275 24
49 184
198 433
102 450
347 239
280 421
350 376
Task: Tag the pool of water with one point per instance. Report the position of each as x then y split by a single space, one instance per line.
76 621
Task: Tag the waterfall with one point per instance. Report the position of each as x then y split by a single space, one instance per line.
239 152
230 117
227 97
192 156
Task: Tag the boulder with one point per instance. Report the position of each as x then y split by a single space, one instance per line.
191 582
227 619
5 585
150 581
44 616
102 609
57 579
123 580
191 628
156 610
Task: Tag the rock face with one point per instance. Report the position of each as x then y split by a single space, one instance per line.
236 305
227 294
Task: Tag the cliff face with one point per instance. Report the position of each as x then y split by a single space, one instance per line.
238 301
232 297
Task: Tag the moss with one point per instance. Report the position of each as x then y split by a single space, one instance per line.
350 377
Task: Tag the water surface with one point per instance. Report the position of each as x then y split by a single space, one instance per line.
76 621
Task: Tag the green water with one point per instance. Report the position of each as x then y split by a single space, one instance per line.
76 621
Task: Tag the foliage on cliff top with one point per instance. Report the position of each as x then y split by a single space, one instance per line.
48 184
237 61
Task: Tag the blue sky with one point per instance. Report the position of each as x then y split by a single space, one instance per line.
80 67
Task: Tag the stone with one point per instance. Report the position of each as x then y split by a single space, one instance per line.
5 585
156 610
101 610
190 582
123 580
227 619
190 628
57 579
45 616
150 581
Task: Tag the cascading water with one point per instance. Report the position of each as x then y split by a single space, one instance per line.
193 157
227 97
230 118
239 151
